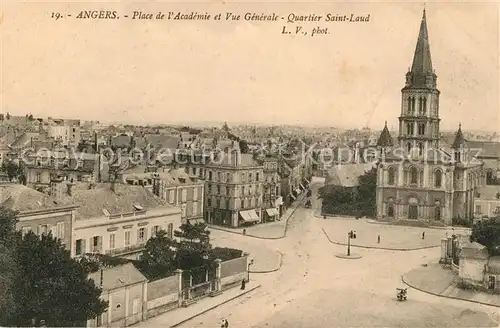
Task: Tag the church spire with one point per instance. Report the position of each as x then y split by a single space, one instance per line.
422 63
421 74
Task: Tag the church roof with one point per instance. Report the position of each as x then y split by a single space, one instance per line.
459 139
422 63
385 139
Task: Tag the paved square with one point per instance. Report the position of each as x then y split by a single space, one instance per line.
391 236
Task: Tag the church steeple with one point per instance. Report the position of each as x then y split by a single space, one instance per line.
385 139
419 120
421 73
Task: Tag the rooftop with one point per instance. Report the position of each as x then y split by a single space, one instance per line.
118 277
125 199
20 198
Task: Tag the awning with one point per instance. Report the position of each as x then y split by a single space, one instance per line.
293 196
249 216
272 211
303 186
254 216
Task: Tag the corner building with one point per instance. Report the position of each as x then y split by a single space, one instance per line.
416 178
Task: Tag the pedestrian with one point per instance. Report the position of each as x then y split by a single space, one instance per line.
378 239
243 284
226 324
423 235
244 231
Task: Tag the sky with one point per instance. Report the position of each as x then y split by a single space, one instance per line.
160 71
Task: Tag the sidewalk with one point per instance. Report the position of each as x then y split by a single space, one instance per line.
439 281
180 315
271 230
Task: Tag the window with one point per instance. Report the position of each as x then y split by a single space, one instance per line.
183 209
420 149
170 230
257 177
141 235
438 177
171 196
227 204
218 190
184 195
421 129
478 209
228 177
112 240
80 247
413 176
408 147
409 104
249 177
195 208
42 229
96 244
127 238
242 190
424 105
25 230
408 128
391 175
209 202
217 203
38 177
210 175
60 230
195 193
242 205
155 230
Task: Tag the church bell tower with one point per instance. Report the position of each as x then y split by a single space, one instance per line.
419 120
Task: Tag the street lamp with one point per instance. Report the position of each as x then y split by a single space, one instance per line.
248 269
350 234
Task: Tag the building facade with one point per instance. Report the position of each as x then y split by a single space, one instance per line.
416 178
177 188
119 219
40 213
271 192
233 190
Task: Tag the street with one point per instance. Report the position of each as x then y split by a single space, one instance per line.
313 288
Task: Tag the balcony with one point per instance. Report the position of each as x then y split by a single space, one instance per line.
125 250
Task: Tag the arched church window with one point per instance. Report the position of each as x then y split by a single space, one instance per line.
391 175
420 149
408 147
424 109
409 104
413 175
420 105
438 178
408 128
413 104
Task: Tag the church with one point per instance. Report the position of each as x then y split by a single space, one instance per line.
417 178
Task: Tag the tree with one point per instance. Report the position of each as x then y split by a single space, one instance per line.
8 266
243 145
487 233
367 193
11 168
53 286
193 249
158 257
